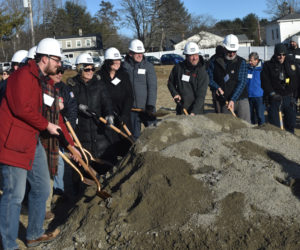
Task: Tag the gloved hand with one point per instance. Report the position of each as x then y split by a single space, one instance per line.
109 119
275 97
149 109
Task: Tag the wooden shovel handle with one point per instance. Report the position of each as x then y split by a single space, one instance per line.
185 111
116 129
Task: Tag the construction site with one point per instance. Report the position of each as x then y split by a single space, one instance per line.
210 181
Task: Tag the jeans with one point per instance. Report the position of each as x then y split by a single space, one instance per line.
288 109
241 108
137 118
58 180
14 184
257 110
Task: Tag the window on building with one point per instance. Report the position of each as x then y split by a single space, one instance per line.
272 34
88 43
68 44
277 33
78 43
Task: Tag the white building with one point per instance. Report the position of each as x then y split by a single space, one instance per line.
203 39
282 29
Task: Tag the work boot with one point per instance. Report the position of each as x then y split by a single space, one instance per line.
47 237
49 216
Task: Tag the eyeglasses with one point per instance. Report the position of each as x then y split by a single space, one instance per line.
89 69
54 59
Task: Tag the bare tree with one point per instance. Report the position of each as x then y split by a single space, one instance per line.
279 8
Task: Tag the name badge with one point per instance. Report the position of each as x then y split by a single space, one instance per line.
116 81
48 100
297 56
249 76
141 71
185 78
226 78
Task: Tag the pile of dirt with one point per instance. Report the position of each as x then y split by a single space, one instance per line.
204 182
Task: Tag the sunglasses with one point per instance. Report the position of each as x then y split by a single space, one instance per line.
230 52
61 71
281 54
89 69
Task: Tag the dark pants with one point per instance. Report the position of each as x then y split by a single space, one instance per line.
137 118
257 110
288 108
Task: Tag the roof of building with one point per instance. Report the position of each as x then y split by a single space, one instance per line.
243 38
77 36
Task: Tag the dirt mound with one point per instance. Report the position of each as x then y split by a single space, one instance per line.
205 182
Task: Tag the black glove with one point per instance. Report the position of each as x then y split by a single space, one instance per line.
275 97
109 119
149 108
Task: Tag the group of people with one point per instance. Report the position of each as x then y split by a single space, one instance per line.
33 110
35 104
237 87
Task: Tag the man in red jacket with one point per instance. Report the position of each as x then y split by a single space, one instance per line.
25 112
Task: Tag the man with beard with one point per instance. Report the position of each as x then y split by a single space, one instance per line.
279 79
188 82
28 109
228 78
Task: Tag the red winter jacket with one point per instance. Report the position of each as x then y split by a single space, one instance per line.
21 119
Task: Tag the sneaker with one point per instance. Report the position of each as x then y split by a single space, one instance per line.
49 216
47 237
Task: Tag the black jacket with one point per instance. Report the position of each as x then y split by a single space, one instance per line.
2 89
91 132
70 104
121 93
193 91
279 78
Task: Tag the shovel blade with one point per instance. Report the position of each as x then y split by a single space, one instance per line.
103 194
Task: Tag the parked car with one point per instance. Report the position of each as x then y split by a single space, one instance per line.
168 59
154 60
98 61
4 66
66 64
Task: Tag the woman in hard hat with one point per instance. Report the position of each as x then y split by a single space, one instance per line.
92 94
119 87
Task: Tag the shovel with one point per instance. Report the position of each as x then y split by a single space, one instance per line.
226 102
100 161
124 126
159 113
85 109
179 102
101 193
86 181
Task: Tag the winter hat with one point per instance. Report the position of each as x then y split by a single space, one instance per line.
280 48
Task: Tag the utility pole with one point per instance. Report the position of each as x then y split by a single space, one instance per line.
258 32
27 4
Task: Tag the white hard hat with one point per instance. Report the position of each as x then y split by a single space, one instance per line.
31 53
84 58
191 48
136 46
112 54
231 42
50 47
20 56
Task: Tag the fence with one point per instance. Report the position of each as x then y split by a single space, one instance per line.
265 52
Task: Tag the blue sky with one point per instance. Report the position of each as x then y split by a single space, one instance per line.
218 9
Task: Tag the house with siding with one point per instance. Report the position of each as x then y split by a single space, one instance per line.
282 29
74 45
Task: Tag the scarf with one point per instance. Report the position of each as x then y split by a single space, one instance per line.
50 142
